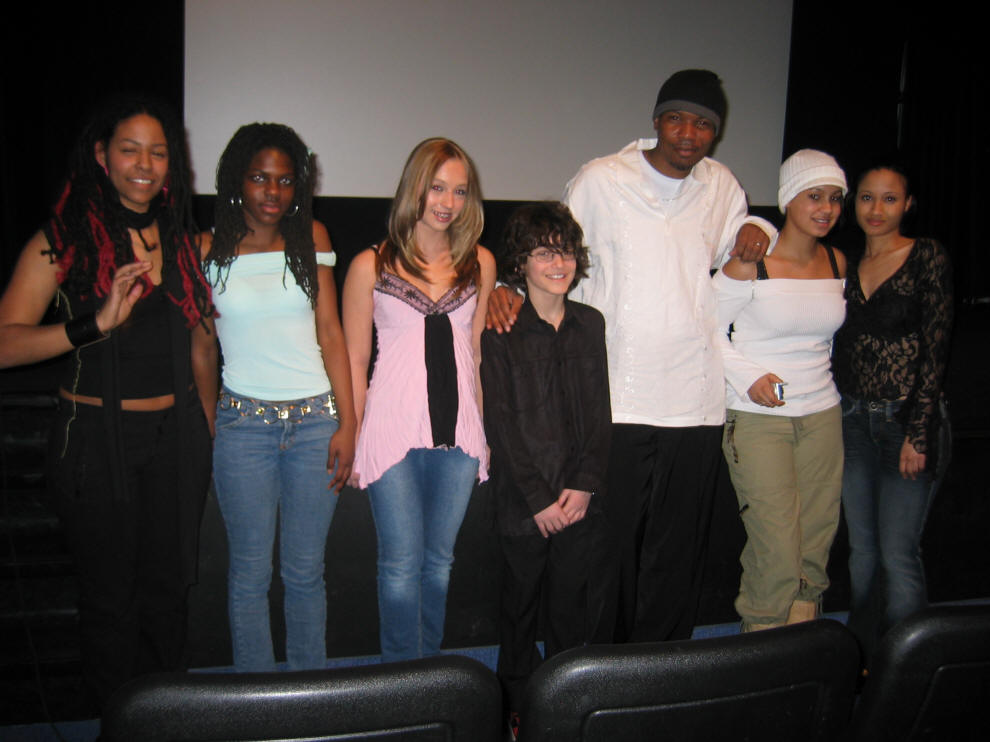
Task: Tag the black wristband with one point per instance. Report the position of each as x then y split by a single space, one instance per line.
83 330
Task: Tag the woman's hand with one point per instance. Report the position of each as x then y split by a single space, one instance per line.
574 503
912 462
551 519
762 391
205 357
337 364
125 291
503 308
340 458
353 480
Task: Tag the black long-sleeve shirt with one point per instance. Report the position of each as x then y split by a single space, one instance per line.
547 411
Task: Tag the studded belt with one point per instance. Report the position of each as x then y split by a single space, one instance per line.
273 412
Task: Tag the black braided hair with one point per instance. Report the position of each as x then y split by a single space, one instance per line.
88 237
297 230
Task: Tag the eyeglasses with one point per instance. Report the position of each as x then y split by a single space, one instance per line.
546 254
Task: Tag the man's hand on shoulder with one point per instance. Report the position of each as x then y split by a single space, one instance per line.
503 308
751 243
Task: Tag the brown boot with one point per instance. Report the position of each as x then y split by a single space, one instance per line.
803 610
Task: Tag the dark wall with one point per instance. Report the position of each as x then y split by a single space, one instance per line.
867 79
58 60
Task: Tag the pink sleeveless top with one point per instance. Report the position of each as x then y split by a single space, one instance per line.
396 411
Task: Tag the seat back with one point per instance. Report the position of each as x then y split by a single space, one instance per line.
930 679
449 698
794 682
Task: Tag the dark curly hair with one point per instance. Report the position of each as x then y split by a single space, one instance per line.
87 235
297 229
542 224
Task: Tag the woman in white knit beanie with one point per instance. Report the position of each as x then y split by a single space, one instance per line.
783 433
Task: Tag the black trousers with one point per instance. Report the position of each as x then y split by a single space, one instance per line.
548 576
128 551
662 484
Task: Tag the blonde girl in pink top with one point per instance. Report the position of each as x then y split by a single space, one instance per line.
421 444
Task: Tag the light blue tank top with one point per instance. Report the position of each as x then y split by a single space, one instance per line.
267 331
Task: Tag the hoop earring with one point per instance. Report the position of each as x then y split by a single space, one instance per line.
236 201
295 210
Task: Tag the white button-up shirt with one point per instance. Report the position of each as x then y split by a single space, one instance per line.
651 261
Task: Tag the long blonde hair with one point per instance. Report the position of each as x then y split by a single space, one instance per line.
410 202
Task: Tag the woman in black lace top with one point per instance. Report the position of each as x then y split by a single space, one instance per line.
889 361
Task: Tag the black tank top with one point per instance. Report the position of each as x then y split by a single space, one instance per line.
145 354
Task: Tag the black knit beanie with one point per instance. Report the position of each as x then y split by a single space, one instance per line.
695 91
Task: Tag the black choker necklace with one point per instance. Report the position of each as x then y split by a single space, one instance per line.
138 219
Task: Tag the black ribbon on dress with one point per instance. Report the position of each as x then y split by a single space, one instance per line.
441 378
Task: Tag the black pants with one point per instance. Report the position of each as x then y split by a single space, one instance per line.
128 550
662 484
549 575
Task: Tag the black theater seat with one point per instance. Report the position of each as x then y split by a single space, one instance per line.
930 679
448 698
792 683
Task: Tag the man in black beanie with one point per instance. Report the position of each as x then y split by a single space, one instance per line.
658 216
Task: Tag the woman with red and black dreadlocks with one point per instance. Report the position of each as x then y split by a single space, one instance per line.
129 455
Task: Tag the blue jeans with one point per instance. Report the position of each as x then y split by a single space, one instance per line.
886 515
265 471
418 506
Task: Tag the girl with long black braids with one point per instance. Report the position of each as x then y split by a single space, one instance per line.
285 421
129 456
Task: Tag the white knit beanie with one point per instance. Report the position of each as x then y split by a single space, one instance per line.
808 168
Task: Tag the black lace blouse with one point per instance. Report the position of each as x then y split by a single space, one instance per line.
893 346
